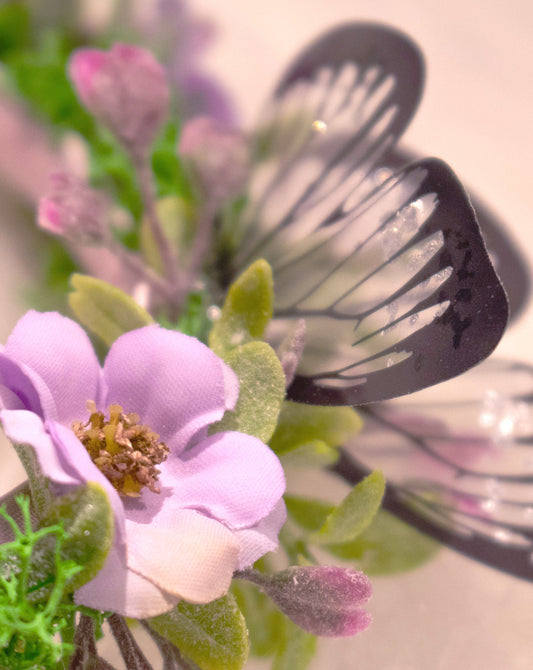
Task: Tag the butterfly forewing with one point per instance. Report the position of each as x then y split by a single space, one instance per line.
338 109
388 270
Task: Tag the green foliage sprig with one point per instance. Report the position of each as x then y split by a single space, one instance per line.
33 582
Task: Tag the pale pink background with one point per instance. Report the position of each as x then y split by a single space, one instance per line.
476 114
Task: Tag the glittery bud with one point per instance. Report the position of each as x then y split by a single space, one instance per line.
218 156
74 210
126 88
323 600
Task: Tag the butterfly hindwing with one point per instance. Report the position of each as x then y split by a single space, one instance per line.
458 462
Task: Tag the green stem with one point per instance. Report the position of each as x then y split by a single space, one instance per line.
146 185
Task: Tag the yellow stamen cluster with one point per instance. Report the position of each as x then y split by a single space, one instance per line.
122 448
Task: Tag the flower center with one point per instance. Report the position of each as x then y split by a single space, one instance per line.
122 448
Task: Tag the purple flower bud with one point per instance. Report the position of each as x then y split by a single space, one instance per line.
322 600
74 210
218 156
126 88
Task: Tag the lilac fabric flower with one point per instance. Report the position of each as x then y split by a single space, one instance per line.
219 505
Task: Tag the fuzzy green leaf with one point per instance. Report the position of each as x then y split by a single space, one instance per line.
301 424
104 309
315 454
247 309
354 513
308 513
39 486
264 621
387 546
296 650
176 218
213 636
87 517
261 391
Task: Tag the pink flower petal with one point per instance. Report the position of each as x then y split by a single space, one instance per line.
232 477
174 382
59 352
75 458
118 589
262 537
21 388
84 66
194 560
26 428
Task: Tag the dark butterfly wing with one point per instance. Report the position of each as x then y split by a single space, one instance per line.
389 272
459 462
509 263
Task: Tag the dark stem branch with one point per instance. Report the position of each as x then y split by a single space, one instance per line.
172 657
129 649
84 642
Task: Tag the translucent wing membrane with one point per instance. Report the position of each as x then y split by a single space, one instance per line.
338 109
388 270
459 463
397 290
509 263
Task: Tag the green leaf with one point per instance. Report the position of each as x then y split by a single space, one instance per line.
104 309
247 309
261 391
354 513
176 218
387 546
213 636
87 517
39 488
316 453
112 170
170 176
40 75
297 649
264 621
301 424
308 513
14 27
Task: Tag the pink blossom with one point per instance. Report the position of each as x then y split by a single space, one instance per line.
218 155
126 88
74 210
216 504
323 600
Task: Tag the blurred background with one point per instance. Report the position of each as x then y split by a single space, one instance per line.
476 115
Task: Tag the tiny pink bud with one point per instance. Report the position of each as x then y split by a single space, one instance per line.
74 210
322 600
218 155
126 88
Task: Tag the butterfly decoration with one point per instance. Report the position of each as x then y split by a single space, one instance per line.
387 264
